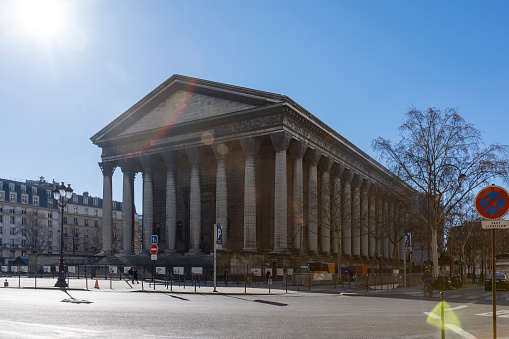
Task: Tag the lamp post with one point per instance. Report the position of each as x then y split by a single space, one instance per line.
62 195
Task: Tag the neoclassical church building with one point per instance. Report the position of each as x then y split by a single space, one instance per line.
280 182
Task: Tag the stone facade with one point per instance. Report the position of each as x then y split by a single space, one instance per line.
277 179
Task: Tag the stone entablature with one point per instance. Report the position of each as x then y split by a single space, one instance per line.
255 162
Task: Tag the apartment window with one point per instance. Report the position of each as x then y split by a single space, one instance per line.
1 185
75 209
13 252
96 223
12 231
85 200
86 222
86 211
50 233
50 203
2 195
65 231
1 230
50 223
35 200
65 246
114 235
50 245
85 245
49 194
65 220
24 212
24 199
11 187
11 210
1 219
75 221
23 243
96 212
76 246
1 241
86 233
34 190
114 205
23 189
50 215
75 198
11 242
75 231
13 220
95 202
114 215
13 196
23 221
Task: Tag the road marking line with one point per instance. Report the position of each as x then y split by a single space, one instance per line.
432 315
455 308
460 331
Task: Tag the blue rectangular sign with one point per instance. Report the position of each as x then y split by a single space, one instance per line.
408 241
154 239
219 235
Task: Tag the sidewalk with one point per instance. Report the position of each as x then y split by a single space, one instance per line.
206 287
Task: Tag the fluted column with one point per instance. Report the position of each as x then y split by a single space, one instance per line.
250 147
221 151
127 207
107 232
365 218
347 212
372 221
336 224
195 154
280 142
297 149
325 166
391 229
312 158
386 228
147 163
379 225
356 215
171 160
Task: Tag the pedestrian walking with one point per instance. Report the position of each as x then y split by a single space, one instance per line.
130 272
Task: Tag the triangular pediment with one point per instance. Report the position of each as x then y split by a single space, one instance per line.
184 106
181 100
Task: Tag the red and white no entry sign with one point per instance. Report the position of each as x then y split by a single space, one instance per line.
492 202
153 249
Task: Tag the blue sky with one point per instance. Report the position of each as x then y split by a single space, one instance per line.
356 65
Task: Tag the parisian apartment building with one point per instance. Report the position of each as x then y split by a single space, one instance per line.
30 220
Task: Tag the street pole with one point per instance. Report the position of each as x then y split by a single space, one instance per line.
215 267
494 283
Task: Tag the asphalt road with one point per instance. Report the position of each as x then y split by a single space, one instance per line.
28 313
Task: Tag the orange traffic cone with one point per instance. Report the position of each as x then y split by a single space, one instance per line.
96 283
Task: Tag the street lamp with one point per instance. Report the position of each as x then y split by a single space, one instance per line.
62 195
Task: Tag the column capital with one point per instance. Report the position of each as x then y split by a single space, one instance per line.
325 164
194 154
280 140
147 162
171 158
127 165
337 169
313 156
366 184
347 175
221 150
297 149
250 145
108 167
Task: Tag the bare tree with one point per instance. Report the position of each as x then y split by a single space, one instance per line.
35 230
436 151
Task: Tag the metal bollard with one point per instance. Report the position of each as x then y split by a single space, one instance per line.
6 283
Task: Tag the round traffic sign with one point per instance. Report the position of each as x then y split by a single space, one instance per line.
153 249
492 202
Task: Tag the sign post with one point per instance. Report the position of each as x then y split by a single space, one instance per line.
492 203
153 255
218 239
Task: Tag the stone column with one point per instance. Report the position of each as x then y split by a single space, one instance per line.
365 218
250 147
297 149
392 234
221 152
347 212
312 158
379 225
171 160
386 228
372 222
356 215
148 162
336 173
107 232
194 154
127 206
325 166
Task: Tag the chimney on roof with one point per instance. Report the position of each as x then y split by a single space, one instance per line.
85 194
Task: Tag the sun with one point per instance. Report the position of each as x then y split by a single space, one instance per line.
43 20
